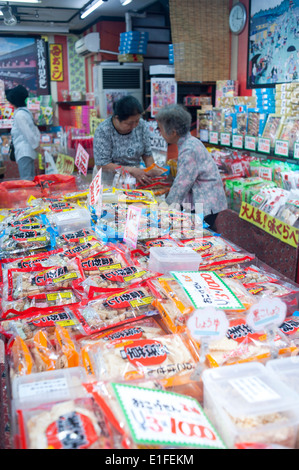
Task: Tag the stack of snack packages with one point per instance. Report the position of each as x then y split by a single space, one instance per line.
101 335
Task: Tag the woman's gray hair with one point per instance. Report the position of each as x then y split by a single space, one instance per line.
174 117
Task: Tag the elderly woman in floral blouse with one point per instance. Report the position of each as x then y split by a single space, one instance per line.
198 180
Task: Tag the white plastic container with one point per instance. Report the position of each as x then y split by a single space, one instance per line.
287 370
164 259
71 221
247 403
48 386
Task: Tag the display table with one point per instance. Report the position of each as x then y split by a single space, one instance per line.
270 250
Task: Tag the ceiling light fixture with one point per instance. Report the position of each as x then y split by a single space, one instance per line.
9 18
125 2
24 1
91 8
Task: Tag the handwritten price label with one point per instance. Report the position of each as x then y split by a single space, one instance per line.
208 324
206 289
81 160
267 312
156 417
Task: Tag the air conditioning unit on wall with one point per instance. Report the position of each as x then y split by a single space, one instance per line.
113 80
88 44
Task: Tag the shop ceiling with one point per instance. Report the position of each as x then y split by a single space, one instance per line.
64 16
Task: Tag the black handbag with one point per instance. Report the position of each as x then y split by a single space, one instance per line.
12 156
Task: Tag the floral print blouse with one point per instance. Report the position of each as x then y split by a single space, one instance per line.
109 146
198 179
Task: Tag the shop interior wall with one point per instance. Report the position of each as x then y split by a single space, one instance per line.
109 40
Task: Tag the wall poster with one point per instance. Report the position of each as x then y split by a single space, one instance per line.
24 61
273 42
163 93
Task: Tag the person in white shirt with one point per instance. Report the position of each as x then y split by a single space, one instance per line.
24 133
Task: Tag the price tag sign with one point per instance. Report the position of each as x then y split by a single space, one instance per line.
282 148
132 226
81 160
296 150
225 138
208 324
204 135
264 145
250 143
95 192
206 289
237 141
266 313
214 137
160 418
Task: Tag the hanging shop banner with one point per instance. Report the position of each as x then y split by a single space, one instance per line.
163 93
43 83
24 61
275 227
65 164
81 159
56 62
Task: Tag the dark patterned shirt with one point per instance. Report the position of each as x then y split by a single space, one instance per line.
198 179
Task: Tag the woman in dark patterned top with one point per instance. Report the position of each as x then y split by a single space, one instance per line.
198 180
123 139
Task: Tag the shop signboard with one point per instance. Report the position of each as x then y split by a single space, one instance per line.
275 227
56 62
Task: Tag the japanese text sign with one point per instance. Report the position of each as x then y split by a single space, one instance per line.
96 191
275 227
207 289
81 159
65 164
156 417
208 324
132 226
56 62
267 312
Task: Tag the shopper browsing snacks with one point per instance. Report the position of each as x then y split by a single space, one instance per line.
123 140
25 134
198 180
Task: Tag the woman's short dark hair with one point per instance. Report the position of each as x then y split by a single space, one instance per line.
174 117
126 107
17 96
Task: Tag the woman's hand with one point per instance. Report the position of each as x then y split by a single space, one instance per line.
139 174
